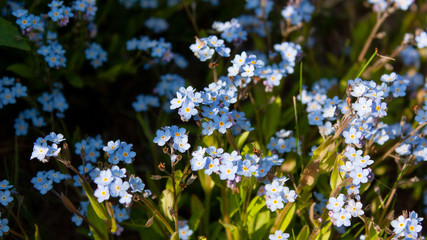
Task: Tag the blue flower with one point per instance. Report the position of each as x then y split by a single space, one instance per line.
126 153
352 136
102 193
342 218
212 165
198 163
118 188
182 145
4 185
126 199
359 175
315 118
274 202
187 110
105 178
111 146
162 136
121 214
117 172
227 171
5 197
421 116
136 184
278 235
222 123
77 220
4 228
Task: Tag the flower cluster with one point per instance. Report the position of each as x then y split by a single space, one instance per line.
262 9
96 54
43 181
298 12
59 13
407 227
277 194
230 30
144 101
87 7
4 227
231 166
253 24
27 22
356 167
119 151
279 235
410 56
110 183
42 149
341 210
289 52
54 101
21 125
382 5
184 230
282 142
421 39
213 104
157 25
89 148
168 86
204 48
9 91
245 68
158 49
76 219
53 54
320 107
177 138
5 199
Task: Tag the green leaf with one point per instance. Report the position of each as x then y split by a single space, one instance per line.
304 233
254 208
241 139
10 36
22 70
121 68
288 218
99 209
337 176
197 210
206 182
325 232
36 233
233 229
209 141
74 80
145 127
373 234
261 224
112 219
98 224
166 202
271 119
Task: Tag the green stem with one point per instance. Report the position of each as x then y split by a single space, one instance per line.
191 17
258 120
369 61
158 214
224 194
175 198
244 212
207 212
